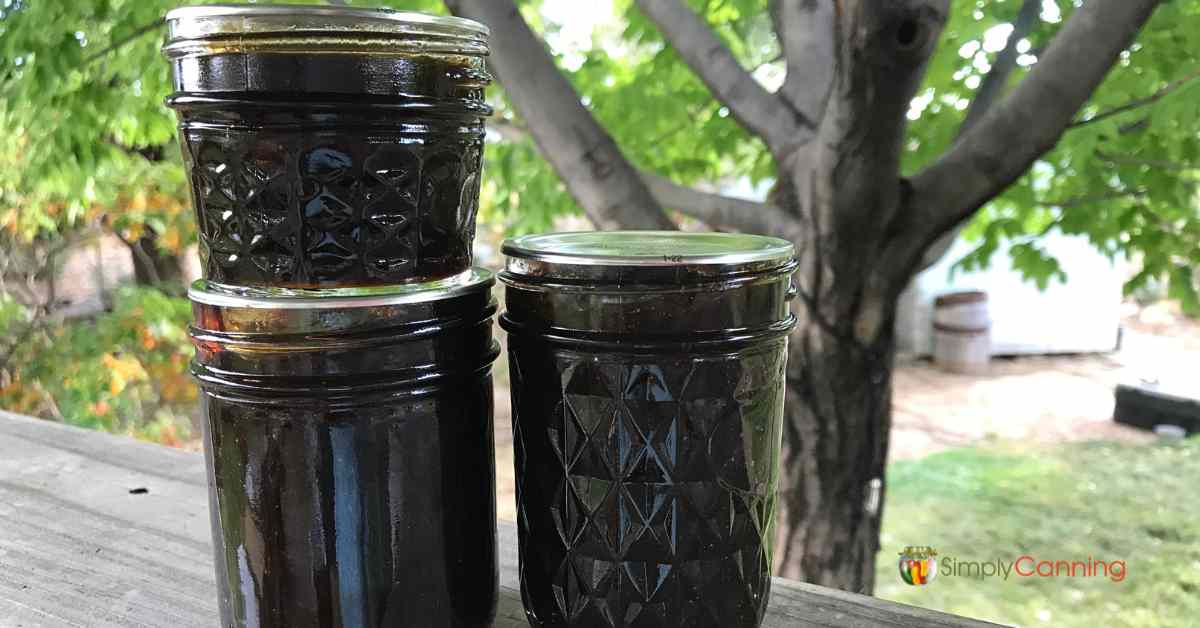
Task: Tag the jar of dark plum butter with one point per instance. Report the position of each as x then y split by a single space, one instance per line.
647 377
329 146
349 447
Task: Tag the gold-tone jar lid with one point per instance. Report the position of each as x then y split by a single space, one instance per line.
214 29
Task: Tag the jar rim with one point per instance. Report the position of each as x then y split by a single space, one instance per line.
225 296
629 254
221 22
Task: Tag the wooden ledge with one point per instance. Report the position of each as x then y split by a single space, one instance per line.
97 529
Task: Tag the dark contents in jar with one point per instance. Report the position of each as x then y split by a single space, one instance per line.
647 419
321 170
647 483
349 445
374 510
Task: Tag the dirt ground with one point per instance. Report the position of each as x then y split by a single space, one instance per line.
1034 399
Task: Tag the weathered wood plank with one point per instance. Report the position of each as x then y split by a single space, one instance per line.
77 548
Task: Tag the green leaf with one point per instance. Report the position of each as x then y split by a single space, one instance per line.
1182 286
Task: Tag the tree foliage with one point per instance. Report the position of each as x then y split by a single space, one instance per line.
84 129
86 145
1124 177
656 109
124 372
85 136
85 140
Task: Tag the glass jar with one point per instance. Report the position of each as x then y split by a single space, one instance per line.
349 447
647 375
329 146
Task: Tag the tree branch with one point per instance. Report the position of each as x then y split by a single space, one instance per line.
135 247
39 320
1089 199
137 32
583 154
509 130
992 87
990 91
759 111
1138 102
1162 164
722 212
1004 144
715 210
805 33
41 310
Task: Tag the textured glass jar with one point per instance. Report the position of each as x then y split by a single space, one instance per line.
647 375
350 454
329 146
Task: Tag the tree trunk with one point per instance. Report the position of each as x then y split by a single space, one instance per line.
836 131
845 190
153 266
836 442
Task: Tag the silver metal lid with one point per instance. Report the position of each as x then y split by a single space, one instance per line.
644 255
224 296
225 309
224 28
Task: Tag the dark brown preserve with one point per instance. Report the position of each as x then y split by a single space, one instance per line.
330 146
350 454
647 377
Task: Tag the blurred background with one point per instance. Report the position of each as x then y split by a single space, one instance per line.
1088 263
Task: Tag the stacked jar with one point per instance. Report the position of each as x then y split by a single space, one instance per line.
344 343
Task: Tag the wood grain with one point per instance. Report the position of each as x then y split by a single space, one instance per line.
77 548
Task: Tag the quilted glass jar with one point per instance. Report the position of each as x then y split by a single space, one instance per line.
329 146
647 374
349 447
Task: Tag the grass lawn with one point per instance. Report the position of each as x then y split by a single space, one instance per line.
1107 501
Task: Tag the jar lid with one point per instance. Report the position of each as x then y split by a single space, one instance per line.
412 335
240 28
211 293
218 307
644 256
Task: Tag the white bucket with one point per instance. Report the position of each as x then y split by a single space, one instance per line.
962 340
